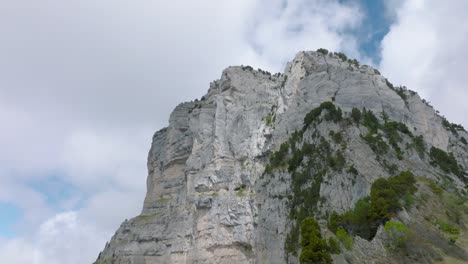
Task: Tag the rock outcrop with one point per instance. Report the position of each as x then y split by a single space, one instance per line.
211 197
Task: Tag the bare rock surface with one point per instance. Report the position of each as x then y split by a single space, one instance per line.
208 200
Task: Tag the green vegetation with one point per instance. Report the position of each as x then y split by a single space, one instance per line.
401 91
247 68
314 247
333 246
454 128
448 228
455 207
332 114
342 56
391 168
356 115
163 200
352 170
446 162
389 84
419 145
435 188
278 158
463 140
283 83
376 143
354 62
454 204
270 119
370 121
240 191
337 162
398 234
308 164
384 201
392 129
323 51
142 218
344 238
386 194
337 137
357 221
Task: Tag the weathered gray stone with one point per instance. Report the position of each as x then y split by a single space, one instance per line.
207 201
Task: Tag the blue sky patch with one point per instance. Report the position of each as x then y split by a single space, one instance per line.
375 26
9 216
56 192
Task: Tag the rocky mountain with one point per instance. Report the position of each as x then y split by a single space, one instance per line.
326 162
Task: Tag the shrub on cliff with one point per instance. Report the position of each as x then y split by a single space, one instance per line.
314 247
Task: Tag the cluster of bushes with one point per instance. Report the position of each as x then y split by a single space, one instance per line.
278 158
376 143
454 128
384 202
342 56
419 145
445 162
354 62
401 91
283 83
344 238
356 115
370 121
386 194
398 233
455 207
333 114
264 72
337 137
323 51
453 203
352 170
196 106
391 130
336 162
390 167
314 247
448 228
247 68
463 140
308 163
333 246
270 119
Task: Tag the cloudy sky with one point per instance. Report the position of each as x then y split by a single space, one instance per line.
84 84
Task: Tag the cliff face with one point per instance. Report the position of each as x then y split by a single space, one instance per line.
210 200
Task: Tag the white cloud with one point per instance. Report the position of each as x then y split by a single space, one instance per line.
64 238
425 50
282 28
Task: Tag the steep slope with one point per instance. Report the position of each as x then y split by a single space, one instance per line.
233 175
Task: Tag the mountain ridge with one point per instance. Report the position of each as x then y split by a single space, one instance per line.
211 197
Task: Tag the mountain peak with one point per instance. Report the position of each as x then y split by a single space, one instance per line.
243 174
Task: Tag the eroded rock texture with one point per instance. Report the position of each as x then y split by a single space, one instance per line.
208 199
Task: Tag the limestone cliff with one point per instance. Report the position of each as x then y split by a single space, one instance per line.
214 194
